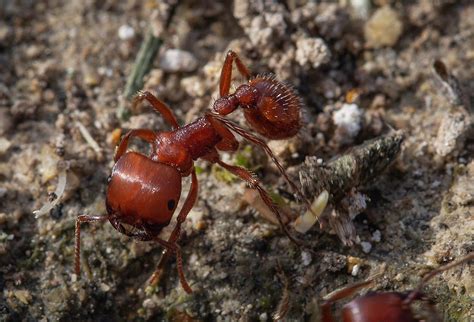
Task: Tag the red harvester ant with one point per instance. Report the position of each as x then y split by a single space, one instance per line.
143 191
387 306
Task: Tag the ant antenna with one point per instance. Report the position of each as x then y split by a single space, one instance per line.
413 295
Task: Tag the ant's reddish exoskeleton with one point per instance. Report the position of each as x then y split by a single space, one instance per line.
143 191
384 306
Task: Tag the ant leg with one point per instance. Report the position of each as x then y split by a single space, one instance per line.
173 247
415 293
284 304
228 142
254 183
226 72
326 314
258 141
158 105
77 249
144 134
175 234
170 246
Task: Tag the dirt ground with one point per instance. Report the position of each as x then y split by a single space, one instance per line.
63 70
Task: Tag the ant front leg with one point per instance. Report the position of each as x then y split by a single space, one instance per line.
187 206
173 247
144 134
226 73
77 249
158 105
170 247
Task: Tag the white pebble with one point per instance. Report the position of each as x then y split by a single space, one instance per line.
355 270
263 317
148 304
366 247
306 258
377 236
176 60
312 51
126 32
349 117
4 145
361 8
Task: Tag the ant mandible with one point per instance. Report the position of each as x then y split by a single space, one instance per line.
386 306
143 191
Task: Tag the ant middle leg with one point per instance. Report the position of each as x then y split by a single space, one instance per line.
226 72
158 105
170 246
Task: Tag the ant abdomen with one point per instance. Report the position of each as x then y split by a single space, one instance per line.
276 110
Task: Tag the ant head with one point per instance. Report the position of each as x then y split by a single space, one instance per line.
275 111
142 190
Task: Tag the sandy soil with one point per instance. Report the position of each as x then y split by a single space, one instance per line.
63 68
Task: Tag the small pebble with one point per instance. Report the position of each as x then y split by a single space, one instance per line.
399 277
149 304
366 247
383 28
104 287
306 258
349 117
176 60
4 145
377 236
263 317
312 51
361 7
91 77
355 270
126 32
193 86
435 184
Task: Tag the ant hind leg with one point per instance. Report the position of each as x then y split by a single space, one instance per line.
254 183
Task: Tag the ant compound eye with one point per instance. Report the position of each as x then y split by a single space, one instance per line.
171 204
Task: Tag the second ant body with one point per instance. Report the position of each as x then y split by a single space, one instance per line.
143 191
385 306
